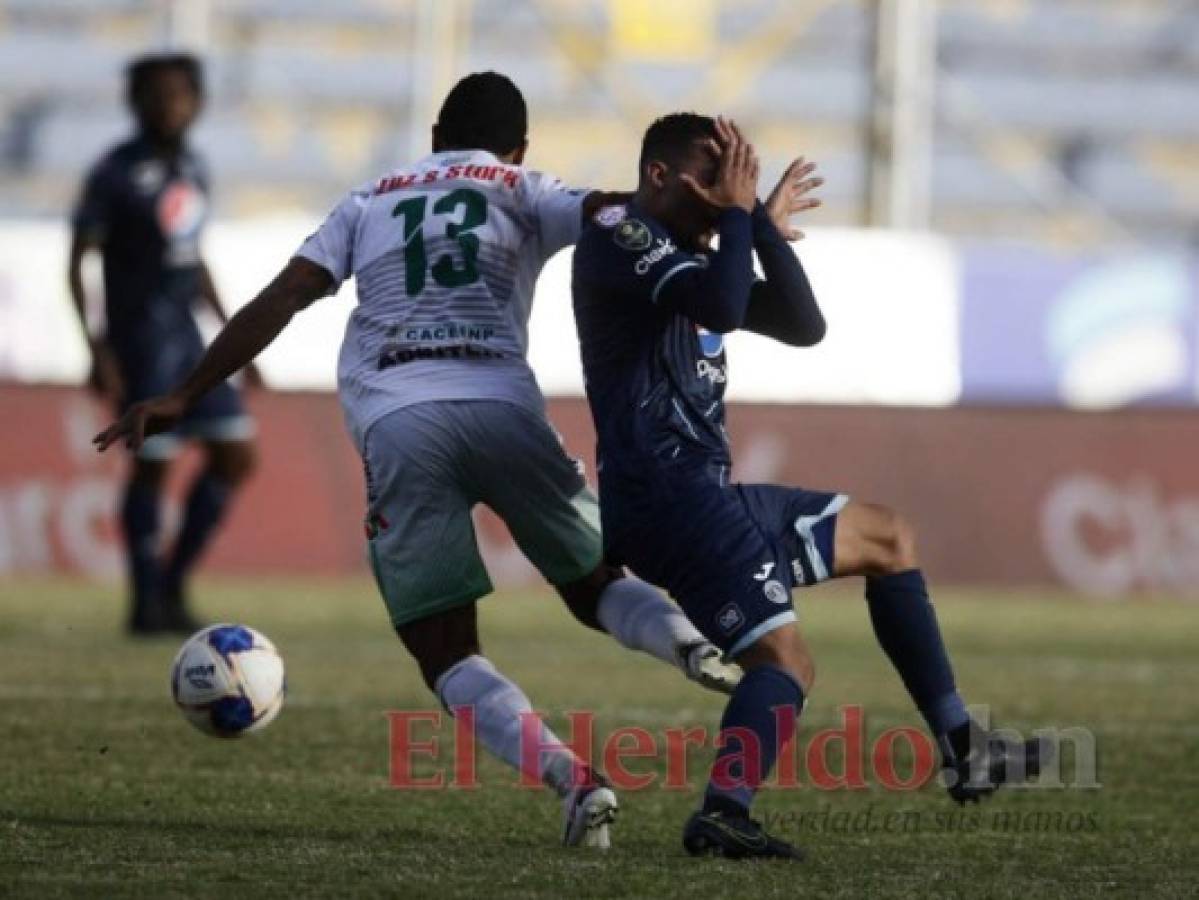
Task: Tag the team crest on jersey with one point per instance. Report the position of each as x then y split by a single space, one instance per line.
148 176
711 344
632 234
610 216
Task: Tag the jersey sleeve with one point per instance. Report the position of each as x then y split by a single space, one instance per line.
93 210
710 289
332 245
645 260
557 211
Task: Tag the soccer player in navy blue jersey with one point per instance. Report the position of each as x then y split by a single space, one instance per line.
652 301
143 207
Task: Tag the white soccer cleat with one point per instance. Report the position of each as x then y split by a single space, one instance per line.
588 810
703 663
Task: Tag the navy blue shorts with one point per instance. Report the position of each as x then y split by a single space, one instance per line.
731 555
220 415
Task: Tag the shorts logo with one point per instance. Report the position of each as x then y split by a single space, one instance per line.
730 618
775 592
767 568
632 234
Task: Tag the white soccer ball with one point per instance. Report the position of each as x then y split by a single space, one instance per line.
228 680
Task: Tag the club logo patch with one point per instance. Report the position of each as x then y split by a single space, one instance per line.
775 592
632 234
730 618
610 216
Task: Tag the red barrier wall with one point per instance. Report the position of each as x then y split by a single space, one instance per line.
1104 502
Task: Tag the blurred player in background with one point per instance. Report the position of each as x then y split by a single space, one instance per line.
652 302
446 413
143 206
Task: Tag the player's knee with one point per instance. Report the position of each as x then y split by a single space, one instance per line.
895 541
234 463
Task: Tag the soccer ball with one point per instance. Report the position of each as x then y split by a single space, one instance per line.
228 680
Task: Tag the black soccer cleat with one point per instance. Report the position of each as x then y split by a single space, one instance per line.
993 761
733 837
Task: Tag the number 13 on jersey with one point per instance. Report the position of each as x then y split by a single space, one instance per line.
464 210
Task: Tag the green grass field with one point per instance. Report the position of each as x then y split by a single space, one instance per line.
106 791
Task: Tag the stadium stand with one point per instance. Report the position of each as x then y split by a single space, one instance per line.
308 96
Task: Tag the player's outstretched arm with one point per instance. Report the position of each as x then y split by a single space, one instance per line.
212 297
248 333
783 306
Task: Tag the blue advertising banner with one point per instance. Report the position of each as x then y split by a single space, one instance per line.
1087 332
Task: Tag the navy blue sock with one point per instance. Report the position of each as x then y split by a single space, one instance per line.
759 719
205 508
139 522
906 627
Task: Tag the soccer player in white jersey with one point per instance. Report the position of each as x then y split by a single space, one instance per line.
441 403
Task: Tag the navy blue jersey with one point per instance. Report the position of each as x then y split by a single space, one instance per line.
655 377
650 317
146 214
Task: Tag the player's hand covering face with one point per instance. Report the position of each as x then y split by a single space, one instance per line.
791 196
736 181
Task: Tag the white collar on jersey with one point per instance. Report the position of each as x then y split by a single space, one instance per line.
454 157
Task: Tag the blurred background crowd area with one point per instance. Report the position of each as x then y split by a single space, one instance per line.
1073 123
1010 234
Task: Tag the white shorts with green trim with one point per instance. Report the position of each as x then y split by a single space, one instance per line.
427 465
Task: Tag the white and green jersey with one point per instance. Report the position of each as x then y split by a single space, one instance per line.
446 253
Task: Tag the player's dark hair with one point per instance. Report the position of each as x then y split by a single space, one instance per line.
672 138
483 111
145 69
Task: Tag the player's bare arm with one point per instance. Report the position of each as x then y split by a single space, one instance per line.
104 376
210 295
212 298
248 333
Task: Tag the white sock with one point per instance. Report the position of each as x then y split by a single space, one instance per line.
640 618
498 704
